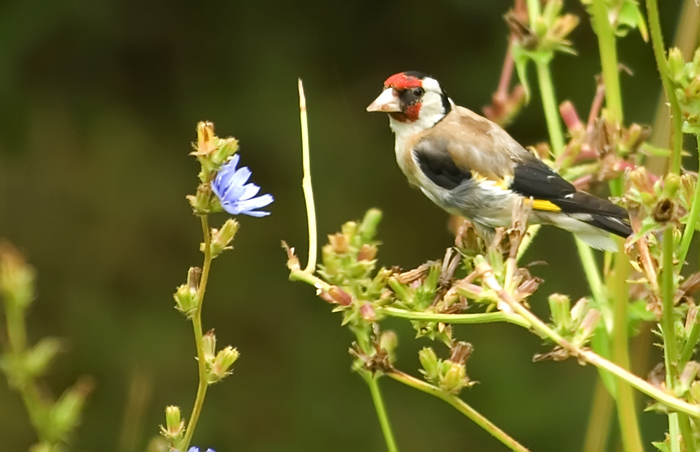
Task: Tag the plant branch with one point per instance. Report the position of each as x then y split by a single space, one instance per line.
381 411
586 355
306 182
549 104
197 327
692 222
488 317
461 406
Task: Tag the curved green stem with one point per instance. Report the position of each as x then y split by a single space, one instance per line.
381 412
197 327
692 222
461 406
590 269
487 317
306 182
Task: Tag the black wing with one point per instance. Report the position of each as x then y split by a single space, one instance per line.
437 164
532 178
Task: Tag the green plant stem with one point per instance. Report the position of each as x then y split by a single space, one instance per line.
590 269
549 104
197 327
598 430
626 411
372 381
585 355
532 231
689 347
17 339
306 182
608 60
668 329
460 406
657 42
693 217
488 317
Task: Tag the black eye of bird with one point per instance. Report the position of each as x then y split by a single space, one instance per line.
418 92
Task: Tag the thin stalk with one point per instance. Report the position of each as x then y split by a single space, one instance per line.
657 42
306 182
668 330
197 327
461 406
17 339
690 344
592 358
693 217
549 104
381 412
626 411
488 317
598 430
532 231
608 59
590 269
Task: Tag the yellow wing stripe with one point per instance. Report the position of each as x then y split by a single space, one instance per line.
548 206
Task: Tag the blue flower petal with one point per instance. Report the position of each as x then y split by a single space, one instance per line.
235 194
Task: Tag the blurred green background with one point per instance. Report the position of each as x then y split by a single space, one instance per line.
98 104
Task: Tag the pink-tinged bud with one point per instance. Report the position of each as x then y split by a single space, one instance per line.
367 312
570 116
338 296
339 243
367 252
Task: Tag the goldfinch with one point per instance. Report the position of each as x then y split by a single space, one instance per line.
471 167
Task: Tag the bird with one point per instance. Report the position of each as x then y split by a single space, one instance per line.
471 167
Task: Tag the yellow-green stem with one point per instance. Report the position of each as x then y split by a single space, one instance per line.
381 412
488 317
549 104
546 332
668 329
598 430
461 406
657 42
590 269
608 60
306 182
197 327
693 217
17 339
626 411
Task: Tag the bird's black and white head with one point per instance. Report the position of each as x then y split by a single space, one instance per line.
413 100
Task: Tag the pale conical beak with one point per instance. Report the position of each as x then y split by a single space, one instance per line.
387 102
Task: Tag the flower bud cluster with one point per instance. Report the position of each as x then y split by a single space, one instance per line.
450 375
686 82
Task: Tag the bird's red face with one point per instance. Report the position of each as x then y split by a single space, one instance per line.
402 97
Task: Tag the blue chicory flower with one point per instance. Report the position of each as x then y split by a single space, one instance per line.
236 196
196 449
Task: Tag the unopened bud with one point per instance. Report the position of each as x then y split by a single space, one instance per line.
65 413
339 243
428 359
174 425
367 252
339 296
368 227
205 137
676 65
40 356
455 379
671 183
225 149
388 341
185 296
560 307
367 312
222 237
223 362
16 277
209 346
